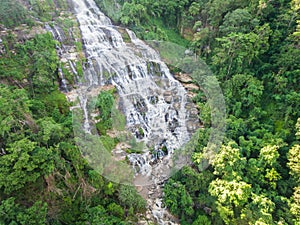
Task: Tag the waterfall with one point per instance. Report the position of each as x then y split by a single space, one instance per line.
152 100
58 34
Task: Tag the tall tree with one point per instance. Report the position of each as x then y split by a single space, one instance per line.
23 162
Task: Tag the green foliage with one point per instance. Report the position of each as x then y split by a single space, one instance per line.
294 165
252 49
111 8
229 164
35 62
38 159
239 20
231 197
243 92
202 220
51 133
24 162
149 18
105 104
129 197
115 210
119 120
132 13
108 142
95 179
12 213
178 199
14 113
12 14
186 192
238 50
99 215
295 205
45 10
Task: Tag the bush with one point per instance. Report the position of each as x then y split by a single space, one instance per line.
129 197
12 13
105 102
116 210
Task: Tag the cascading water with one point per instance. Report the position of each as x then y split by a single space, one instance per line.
58 34
153 102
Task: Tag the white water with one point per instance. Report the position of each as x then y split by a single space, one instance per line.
152 100
108 54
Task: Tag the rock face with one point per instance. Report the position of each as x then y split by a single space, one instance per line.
119 153
183 78
70 56
187 82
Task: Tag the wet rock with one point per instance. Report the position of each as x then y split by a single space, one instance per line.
192 126
192 94
168 96
183 78
191 87
139 188
193 111
177 105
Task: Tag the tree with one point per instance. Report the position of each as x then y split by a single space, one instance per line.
239 20
178 200
133 14
294 164
268 162
128 197
295 205
15 115
294 156
232 196
99 215
296 7
38 60
202 220
173 11
115 210
51 133
105 102
259 210
217 9
194 8
202 39
237 50
12 213
23 163
228 163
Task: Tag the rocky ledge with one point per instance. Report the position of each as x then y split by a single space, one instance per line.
188 83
